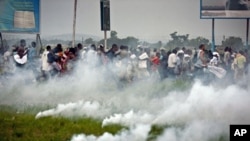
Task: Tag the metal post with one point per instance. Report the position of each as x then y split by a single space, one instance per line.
40 47
105 39
213 41
247 33
1 39
74 24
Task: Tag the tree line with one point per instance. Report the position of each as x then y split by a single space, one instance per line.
176 40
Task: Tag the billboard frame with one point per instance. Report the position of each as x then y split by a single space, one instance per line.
220 17
213 21
1 40
29 32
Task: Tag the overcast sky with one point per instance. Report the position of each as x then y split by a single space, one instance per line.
144 19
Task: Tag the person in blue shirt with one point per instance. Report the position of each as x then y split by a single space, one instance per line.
32 52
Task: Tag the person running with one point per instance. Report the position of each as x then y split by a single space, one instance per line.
21 57
111 54
172 62
239 66
201 61
46 67
163 67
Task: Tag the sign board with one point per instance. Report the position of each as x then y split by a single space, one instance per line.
20 16
225 9
105 15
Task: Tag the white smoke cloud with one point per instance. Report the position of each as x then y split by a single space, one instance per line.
80 108
135 133
130 118
196 131
208 103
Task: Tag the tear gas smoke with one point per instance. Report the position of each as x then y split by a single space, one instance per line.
129 118
135 133
196 131
81 108
91 92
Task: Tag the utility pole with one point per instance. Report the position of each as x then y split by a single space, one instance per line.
1 40
74 24
105 19
247 34
213 40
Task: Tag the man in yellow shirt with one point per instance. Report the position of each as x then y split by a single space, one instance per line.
239 63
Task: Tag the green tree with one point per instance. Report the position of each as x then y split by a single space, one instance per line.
113 34
197 41
177 40
89 41
130 41
113 39
157 44
235 43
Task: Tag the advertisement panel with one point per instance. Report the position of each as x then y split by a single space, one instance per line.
105 15
20 16
225 9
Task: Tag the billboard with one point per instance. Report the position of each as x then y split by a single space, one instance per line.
105 15
19 16
225 9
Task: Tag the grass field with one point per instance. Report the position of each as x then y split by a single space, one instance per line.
17 126
24 127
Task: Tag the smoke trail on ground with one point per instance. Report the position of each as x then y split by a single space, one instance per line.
81 108
135 133
129 118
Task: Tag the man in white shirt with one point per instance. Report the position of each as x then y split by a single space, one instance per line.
172 62
46 67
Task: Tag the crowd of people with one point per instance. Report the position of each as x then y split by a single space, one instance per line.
128 64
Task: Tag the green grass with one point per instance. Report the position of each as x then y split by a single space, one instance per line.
24 127
155 132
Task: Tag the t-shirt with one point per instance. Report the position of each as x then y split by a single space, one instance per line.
32 53
20 60
214 61
171 60
45 65
240 60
